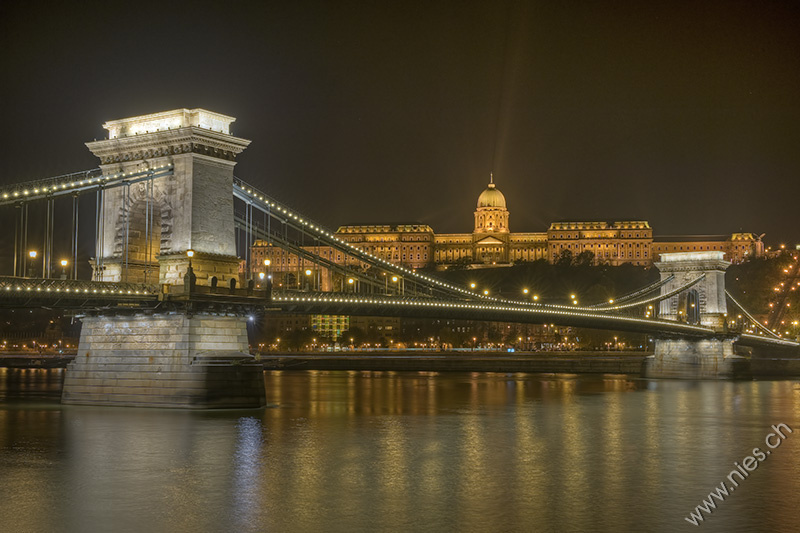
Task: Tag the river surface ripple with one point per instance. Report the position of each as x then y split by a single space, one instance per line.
404 451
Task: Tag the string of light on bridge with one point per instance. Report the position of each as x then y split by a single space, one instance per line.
255 194
76 291
67 183
488 307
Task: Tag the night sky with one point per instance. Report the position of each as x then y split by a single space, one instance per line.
686 114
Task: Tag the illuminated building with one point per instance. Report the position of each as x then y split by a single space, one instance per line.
491 243
737 247
330 326
613 243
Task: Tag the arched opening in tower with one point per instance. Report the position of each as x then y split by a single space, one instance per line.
144 243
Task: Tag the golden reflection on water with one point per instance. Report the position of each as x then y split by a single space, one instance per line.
387 451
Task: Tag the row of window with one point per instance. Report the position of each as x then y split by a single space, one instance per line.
620 236
599 246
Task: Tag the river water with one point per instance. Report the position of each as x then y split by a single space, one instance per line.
394 451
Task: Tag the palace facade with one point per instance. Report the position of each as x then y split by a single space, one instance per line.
491 243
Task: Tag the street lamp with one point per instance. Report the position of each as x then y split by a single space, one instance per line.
64 264
398 289
189 280
32 255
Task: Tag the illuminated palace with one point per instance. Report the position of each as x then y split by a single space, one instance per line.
491 243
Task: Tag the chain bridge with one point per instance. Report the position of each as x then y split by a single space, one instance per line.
165 305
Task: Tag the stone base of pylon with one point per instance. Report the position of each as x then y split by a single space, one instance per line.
177 359
696 359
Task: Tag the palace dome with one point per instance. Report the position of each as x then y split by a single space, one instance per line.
491 197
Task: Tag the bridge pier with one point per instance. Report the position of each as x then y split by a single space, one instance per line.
696 359
175 359
702 304
194 354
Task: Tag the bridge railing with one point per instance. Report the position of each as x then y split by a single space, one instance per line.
77 182
13 286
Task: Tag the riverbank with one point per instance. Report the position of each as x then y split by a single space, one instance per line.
35 360
541 362
549 362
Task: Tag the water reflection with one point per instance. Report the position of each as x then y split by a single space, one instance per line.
385 451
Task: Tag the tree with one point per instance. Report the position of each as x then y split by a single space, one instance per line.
460 264
565 258
585 258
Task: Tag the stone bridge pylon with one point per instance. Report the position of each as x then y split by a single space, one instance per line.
702 304
147 226
188 353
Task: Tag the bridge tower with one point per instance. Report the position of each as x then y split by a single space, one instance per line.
186 353
147 226
702 304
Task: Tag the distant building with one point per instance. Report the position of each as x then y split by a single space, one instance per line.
491 243
737 247
613 243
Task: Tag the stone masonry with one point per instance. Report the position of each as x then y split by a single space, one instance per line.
687 358
191 210
184 357
168 360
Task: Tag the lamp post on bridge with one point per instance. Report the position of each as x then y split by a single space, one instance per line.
64 264
189 280
309 281
32 254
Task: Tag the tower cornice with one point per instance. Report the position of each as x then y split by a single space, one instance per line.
190 139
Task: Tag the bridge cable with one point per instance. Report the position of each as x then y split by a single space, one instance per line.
246 192
748 315
75 223
644 290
